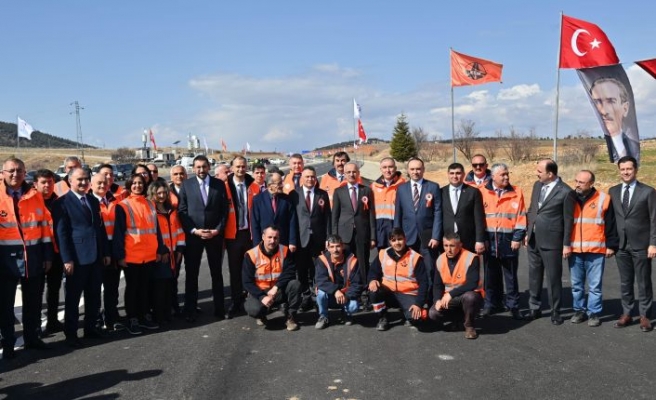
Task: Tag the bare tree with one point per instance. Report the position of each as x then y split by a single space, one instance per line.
124 154
465 138
519 146
491 146
443 152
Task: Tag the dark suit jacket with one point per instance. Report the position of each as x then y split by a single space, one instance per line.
637 226
194 215
318 222
344 218
632 147
470 215
552 223
425 223
285 218
81 239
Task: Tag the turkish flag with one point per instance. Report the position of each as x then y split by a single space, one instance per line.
584 45
467 70
152 140
649 66
224 146
361 132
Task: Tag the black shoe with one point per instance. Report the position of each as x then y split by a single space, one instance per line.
382 324
74 342
556 319
235 310
514 312
486 312
306 303
8 353
94 333
133 327
36 344
53 327
191 317
533 315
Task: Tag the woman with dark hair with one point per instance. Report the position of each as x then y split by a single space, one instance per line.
138 246
174 240
141 169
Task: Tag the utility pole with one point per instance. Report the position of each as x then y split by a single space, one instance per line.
80 142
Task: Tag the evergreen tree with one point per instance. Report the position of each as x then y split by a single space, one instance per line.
403 146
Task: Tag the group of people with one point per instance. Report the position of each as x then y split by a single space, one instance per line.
441 254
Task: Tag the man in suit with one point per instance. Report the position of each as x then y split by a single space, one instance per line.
312 207
479 175
550 219
354 217
293 178
203 210
611 100
273 207
634 204
259 177
238 232
462 211
84 250
418 211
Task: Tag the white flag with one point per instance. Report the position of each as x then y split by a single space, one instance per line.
356 110
248 146
207 149
24 129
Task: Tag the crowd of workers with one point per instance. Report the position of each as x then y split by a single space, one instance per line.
295 242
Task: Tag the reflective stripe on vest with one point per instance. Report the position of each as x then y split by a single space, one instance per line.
589 229
459 276
350 263
267 271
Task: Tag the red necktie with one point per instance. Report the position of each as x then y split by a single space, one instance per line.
354 198
273 204
308 201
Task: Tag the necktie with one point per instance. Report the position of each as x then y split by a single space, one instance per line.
308 201
297 178
273 204
341 178
625 198
105 202
16 197
499 192
242 207
543 194
415 197
454 199
262 188
354 198
203 192
85 206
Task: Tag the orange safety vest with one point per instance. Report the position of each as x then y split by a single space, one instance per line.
399 276
350 264
459 275
172 233
589 230
385 198
120 193
231 222
141 234
61 188
288 183
108 213
35 221
267 270
506 213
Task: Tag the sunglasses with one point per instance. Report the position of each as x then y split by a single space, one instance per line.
481 165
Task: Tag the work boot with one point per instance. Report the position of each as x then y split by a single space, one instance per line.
291 323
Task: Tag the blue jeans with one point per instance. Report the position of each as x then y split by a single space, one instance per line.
326 301
590 266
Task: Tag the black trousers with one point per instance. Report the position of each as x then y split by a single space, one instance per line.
111 281
137 289
85 279
541 262
635 266
174 286
430 258
291 295
465 307
193 256
498 271
392 300
160 293
31 296
53 281
360 247
305 261
236 249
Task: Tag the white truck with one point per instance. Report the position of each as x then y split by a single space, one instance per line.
164 159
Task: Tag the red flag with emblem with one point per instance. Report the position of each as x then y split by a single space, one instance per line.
361 132
152 140
467 70
584 45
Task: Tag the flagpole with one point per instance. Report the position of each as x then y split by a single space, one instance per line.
453 127
17 135
555 138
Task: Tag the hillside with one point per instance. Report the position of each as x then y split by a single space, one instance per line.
9 132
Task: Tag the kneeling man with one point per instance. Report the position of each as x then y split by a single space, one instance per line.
268 275
398 278
338 281
458 285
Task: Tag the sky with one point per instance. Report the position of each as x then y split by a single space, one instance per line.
283 75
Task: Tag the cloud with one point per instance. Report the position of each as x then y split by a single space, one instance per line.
519 92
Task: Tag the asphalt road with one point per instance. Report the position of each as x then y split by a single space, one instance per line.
235 359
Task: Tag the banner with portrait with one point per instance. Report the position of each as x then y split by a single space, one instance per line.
611 96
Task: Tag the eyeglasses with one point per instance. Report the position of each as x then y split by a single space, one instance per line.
14 171
153 171
478 165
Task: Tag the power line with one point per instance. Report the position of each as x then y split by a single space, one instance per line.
80 142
